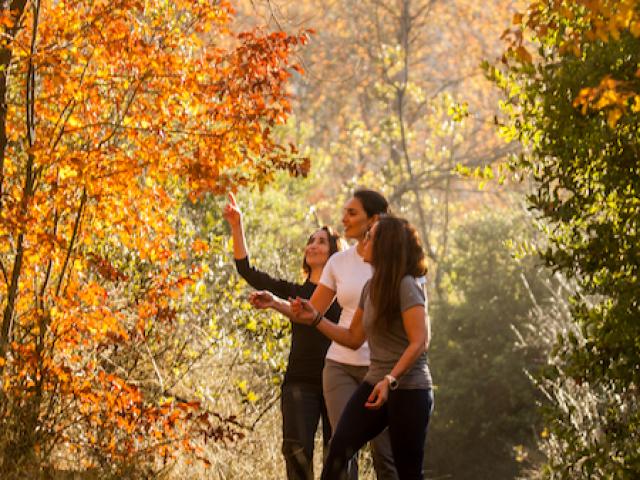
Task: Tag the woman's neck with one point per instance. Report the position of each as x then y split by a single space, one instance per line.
314 276
360 247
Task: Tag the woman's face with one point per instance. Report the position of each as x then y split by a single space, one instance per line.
355 219
316 253
367 251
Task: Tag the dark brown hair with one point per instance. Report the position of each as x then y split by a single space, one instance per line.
397 252
373 202
335 245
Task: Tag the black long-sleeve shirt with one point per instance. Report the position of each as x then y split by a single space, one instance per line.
308 345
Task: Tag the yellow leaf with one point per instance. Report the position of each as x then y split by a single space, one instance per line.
609 97
575 49
523 55
613 117
624 15
566 13
74 121
67 172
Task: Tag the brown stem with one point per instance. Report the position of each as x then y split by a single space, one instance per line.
74 235
47 276
12 293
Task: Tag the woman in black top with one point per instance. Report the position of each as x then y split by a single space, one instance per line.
302 403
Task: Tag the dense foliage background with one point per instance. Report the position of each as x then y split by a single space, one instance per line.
127 346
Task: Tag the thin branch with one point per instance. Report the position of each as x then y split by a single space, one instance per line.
74 235
155 365
4 273
269 406
56 219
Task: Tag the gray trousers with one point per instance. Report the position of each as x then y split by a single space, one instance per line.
339 382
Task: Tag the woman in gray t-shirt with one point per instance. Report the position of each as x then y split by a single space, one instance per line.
396 392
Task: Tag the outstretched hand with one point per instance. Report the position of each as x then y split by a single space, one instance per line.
231 212
302 311
379 395
262 299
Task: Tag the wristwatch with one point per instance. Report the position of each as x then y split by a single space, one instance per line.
393 382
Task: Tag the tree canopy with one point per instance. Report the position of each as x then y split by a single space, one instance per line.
111 113
572 78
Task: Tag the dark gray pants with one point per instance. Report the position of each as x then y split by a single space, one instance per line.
339 382
302 408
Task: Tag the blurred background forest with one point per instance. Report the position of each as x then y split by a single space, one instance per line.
532 263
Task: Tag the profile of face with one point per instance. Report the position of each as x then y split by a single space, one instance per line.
367 252
355 220
316 253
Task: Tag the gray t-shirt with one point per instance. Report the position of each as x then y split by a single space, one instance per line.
388 345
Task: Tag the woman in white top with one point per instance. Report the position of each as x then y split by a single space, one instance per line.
343 277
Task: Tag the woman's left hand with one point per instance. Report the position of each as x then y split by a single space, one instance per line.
379 395
303 311
262 299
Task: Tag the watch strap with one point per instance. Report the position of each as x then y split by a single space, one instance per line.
393 382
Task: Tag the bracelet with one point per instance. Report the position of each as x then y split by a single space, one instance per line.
316 319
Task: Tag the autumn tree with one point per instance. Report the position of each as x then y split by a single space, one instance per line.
572 78
108 112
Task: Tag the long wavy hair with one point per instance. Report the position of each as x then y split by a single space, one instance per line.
335 245
397 252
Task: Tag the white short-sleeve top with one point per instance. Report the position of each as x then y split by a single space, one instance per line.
346 273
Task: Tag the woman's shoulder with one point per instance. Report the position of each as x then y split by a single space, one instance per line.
411 293
411 283
342 256
411 280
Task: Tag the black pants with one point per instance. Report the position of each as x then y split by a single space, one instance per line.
302 406
406 413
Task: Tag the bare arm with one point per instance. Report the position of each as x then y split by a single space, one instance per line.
353 337
256 278
322 298
416 327
233 216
